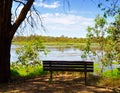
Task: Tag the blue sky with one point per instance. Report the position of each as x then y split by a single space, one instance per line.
59 20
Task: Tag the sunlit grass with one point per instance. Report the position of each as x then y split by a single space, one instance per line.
110 78
30 71
115 73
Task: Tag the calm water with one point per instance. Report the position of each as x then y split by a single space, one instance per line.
56 53
60 53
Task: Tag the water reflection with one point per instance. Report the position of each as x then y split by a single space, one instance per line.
60 53
56 53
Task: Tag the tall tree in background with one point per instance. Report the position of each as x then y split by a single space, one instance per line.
7 31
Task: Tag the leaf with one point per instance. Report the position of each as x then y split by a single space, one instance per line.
99 5
105 15
103 9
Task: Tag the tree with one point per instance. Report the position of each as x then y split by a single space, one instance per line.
9 26
28 55
7 30
114 36
98 32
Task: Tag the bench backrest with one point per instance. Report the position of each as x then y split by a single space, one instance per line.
80 66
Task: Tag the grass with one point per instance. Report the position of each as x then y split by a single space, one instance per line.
113 74
107 78
63 44
30 72
109 81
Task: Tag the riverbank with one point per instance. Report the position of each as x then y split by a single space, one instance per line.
80 46
55 41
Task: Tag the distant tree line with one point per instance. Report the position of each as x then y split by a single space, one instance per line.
47 39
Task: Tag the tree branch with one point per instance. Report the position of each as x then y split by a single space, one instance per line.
21 17
18 1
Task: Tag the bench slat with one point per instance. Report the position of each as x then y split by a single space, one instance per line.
68 63
65 66
72 66
70 69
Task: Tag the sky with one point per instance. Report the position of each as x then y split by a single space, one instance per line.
61 18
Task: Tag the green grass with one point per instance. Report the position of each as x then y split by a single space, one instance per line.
110 78
31 71
115 73
81 46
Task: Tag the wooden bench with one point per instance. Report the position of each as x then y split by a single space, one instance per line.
75 66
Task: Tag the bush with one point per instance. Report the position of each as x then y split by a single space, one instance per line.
14 73
28 63
114 74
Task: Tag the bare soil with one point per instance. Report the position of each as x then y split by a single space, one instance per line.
60 84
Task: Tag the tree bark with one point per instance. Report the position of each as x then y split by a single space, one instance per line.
5 40
5 45
7 31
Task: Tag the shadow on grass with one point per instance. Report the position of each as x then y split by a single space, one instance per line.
61 84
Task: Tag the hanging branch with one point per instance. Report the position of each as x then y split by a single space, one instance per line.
29 19
21 17
110 7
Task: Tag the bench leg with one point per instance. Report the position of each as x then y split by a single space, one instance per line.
50 76
85 78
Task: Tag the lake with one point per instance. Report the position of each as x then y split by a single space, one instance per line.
55 53
61 53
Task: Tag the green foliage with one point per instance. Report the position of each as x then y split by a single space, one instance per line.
112 74
114 35
28 63
14 73
108 39
100 22
28 55
99 33
47 39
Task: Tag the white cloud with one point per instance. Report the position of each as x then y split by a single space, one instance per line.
62 24
58 24
53 5
66 19
68 25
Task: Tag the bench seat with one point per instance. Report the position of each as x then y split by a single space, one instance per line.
72 66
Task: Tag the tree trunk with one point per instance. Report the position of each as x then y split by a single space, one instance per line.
5 45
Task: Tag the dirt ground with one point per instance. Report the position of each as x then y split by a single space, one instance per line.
60 84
